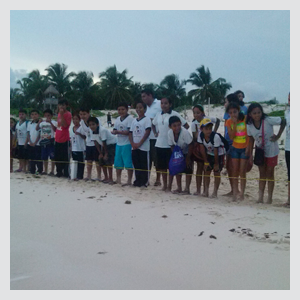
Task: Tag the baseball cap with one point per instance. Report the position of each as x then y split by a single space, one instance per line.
205 122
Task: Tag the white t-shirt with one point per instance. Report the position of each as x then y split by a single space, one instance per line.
88 133
161 121
184 139
210 147
138 129
151 113
77 142
271 148
104 135
22 132
123 125
287 133
47 131
195 126
33 133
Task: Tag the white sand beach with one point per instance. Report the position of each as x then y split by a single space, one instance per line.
68 235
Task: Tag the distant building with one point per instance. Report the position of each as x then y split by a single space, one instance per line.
51 98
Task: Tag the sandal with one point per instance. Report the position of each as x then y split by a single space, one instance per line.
87 179
126 184
157 183
176 192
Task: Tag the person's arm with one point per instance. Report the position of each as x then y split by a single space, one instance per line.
189 162
14 137
37 139
27 139
204 156
105 150
53 126
249 149
217 125
81 135
38 125
131 139
146 135
275 137
98 148
232 131
186 125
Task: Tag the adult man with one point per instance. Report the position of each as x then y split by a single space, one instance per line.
153 107
62 138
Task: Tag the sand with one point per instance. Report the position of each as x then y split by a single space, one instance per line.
68 235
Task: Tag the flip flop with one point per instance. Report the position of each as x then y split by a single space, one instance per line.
176 192
157 183
126 184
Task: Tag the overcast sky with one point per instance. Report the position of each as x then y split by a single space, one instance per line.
250 49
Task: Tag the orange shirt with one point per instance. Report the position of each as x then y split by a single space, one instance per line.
241 138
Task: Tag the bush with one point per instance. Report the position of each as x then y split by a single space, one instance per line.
277 113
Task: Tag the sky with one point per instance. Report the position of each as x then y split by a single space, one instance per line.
249 48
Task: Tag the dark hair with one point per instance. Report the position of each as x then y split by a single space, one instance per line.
199 106
250 108
63 102
49 111
21 110
141 102
174 119
123 104
34 110
234 105
169 100
239 92
85 109
233 98
93 119
76 114
148 92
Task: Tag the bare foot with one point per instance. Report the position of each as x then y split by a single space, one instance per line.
269 201
228 194
214 195
234 198
241 197
260 201
176 192
165 189
196 194
204 195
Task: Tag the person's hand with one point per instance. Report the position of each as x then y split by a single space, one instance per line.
247 152
206 167
189 162
105 157
62 111
135 146
274 138
77 133
234 120
114 131
156 134
40 121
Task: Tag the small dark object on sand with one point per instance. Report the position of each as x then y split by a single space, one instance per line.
266 235
164 216
212 237
21 192
92 197
104 252
232 230
201 233
213 222
127 202
250 234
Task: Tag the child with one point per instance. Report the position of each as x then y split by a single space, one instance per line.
13 142
287 148
78 137
260 130
92 153
139 139
163 149
237 131
199 114
48 128
109 119
242 105
213 151
34 148
180 136
21 137
105 143
62 139
123 149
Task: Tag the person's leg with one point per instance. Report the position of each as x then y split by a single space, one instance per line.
118 163
199 175
135 161
271 183
169 188
127 159
188 180
287 159
154 159
38 158
243 171
31 159
80 169
178 181
217 181
58 158
235 164
66 159
89 167
206 183
262 183
144 165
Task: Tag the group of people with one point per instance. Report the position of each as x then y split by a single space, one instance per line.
136 144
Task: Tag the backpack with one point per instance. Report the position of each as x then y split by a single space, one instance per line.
177 161
212 136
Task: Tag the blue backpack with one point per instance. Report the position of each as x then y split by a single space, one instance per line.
177 161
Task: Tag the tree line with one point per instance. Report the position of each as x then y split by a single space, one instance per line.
113 87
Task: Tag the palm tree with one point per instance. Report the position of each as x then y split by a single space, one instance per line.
173 88
58 76
207 88
116 87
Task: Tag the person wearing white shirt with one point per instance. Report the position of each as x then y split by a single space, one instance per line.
123 148
153 107
105 143
287 148
178 135
91 152
161 128
77 136
139 138
48 128
34 148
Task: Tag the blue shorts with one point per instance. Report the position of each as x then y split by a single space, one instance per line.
238 153
47 151
123 157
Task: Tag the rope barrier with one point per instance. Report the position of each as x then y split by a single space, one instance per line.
162 172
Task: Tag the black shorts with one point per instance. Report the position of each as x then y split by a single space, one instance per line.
91 153
211 160
163 157
22 152
287 160
188 170
111 150
153 156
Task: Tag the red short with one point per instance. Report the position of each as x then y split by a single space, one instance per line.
271 161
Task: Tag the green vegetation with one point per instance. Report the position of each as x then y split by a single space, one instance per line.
97 113
277 113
